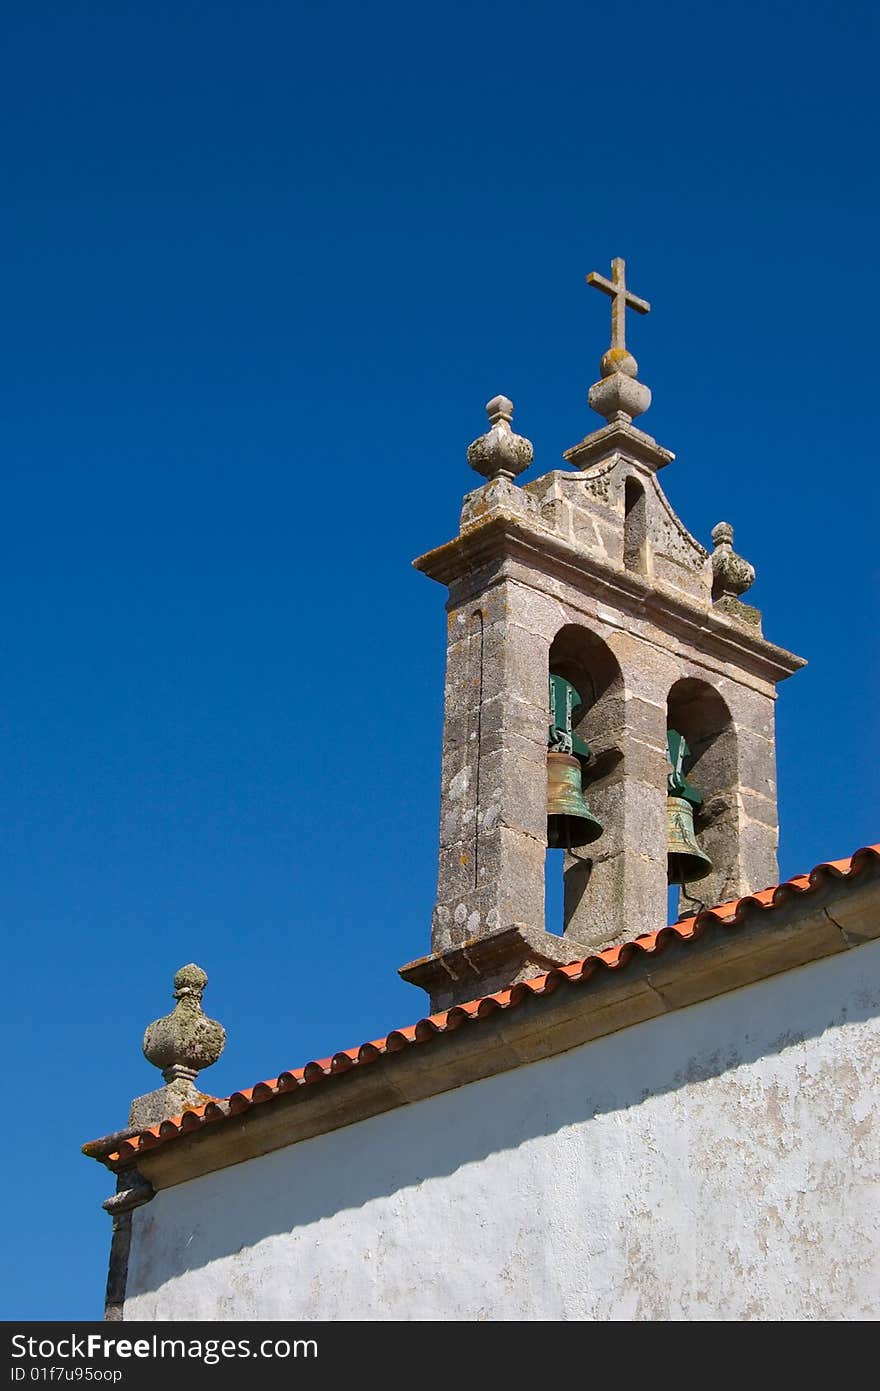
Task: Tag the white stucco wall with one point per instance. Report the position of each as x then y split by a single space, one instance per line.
716 1163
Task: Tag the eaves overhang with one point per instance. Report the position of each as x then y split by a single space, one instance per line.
834 908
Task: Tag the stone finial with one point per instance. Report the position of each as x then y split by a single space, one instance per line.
500 453
181 1044
731 575
186 1040
618 396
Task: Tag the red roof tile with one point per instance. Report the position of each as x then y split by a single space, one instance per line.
577 972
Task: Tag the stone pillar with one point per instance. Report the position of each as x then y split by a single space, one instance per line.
132 1191
617 888
488 922
493 796
759 815
739 826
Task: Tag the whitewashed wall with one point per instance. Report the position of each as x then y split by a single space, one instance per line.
716 1163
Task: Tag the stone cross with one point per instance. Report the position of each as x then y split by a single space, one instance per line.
620 298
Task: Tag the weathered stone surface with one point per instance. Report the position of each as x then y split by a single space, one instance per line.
490 962
593 572
514 664
618 440
648 672
181 1044
185 1041
457 880
500 453
493 881
514 790
760 809
644 762
536 613
626 893
759 867
756 763
164 1102
594 916
751 709
508 721
499 498
619 396
746 614
732 575
646 719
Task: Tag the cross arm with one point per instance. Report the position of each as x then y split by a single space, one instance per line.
608 287
601 283
641 306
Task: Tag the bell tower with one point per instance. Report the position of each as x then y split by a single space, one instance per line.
608 694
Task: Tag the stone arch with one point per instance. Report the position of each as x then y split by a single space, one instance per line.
585 659
698 711
635 526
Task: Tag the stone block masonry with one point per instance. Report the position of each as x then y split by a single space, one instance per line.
590 575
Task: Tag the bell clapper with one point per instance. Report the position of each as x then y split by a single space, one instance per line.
687 898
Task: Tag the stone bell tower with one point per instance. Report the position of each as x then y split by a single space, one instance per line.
586 574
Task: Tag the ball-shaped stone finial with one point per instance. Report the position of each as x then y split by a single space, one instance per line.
186 1040
731 575
500 453
498 409
618 360
190 980
722 534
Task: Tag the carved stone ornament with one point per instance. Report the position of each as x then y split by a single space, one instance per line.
731 575
617 395
500 453
186 1040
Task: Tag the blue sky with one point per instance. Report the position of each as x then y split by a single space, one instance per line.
263 265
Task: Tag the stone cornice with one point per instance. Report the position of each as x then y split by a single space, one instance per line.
501 536
133 1191
475 960
618 438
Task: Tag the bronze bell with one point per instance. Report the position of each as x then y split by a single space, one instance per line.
685 858
570 822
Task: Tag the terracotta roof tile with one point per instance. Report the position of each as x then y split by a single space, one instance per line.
577 972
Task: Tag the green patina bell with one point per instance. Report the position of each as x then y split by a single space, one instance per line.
685 859
570 823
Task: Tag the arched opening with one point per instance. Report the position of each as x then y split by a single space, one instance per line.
584 660
635 527
700 714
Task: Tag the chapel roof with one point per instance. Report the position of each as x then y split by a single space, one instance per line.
125 1148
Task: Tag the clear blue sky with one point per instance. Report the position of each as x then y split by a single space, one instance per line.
263 265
